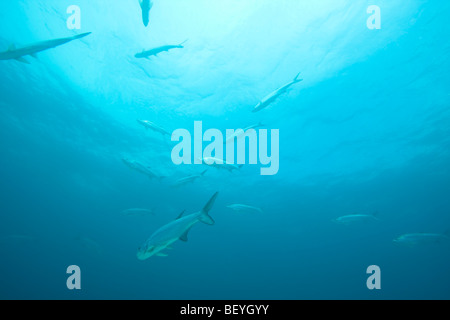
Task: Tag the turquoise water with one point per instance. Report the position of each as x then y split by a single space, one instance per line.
366 131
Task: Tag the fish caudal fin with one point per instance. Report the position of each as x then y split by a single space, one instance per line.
205 217
296 79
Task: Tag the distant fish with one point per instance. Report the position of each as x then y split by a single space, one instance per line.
264 103
155 51
150 125
356 218
138 212
142 169
18 54
416 239
146 6
174 231
244 208
188 179
221 164
240 133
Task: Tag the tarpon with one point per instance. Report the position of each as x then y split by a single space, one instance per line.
174 231
141 168
243 208
264 103
146 6
355 218
415 239
188 179
155 51
241 132
138 212
150 125
18 54
221 164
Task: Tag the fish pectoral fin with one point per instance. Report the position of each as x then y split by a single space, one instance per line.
34 55
22 59
184 236
162 255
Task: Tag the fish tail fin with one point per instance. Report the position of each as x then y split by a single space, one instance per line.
240 166
181 44
205 217
203 173
296 79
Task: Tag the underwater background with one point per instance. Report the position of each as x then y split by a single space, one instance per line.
367 130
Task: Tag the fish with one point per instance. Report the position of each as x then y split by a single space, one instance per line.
240 133
150 125
264 103
355 218
18 54
146 6
141 168
138 212
244 208
221 164
155 51
176 230
188 179
416 239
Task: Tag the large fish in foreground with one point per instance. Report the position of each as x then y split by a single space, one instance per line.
18 54
264 103
415 239
174 231
146 6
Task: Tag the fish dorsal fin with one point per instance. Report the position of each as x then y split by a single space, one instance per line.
12 47
181 215
184 236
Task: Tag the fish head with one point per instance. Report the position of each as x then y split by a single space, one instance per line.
257 107
146 251
402 241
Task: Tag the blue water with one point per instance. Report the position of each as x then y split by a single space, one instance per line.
368 130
